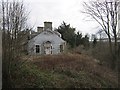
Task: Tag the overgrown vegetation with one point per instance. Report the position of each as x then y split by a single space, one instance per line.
98 50
14 35
62 71
105 13
87 66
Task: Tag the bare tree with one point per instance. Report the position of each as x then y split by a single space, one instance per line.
14 21
105 13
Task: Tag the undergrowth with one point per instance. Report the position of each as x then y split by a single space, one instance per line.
62 71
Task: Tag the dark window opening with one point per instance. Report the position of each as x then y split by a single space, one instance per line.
61 48
51 49
37 48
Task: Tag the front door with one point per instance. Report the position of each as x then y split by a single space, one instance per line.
47 48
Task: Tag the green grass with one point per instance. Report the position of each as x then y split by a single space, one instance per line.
55 73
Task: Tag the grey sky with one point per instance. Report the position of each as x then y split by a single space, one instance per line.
58 11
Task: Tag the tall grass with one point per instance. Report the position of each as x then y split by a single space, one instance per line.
74 63
63 71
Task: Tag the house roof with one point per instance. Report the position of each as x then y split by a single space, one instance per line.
48 35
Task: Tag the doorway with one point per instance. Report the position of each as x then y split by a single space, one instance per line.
47 48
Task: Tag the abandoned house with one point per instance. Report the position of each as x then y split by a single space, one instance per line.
46 41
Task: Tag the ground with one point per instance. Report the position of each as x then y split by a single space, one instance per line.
63 71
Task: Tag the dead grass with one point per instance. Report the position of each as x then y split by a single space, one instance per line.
74 62
78 69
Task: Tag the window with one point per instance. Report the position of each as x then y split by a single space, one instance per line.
61 48
51 49
37 48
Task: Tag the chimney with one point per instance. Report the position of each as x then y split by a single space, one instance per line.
39 29
47 25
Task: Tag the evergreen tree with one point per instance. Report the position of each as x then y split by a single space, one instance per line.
68 33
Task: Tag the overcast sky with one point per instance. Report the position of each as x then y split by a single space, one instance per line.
57 11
